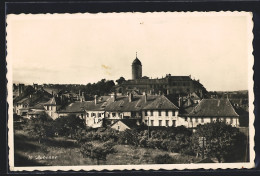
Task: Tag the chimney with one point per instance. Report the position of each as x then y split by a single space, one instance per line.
95 99
179 101
145 97
19 90
189 102
113 96
130 97
201 96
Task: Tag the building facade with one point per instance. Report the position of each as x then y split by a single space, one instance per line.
166 85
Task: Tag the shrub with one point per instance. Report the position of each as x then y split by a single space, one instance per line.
163 159
154 143
128 137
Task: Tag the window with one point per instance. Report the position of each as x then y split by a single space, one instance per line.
118 127
159 112
146 122
151 112
93 114
133 114
167 122
160 122
145 113
151 122
99 114
87 114
202 120
113 114
211 120
231 120
196 120
174 123
185 118
190 119
166 113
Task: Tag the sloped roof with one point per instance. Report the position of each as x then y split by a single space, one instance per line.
24 100
184 111
128 122
36 113
122 103
86 105
214 108
194 96
38 106
52 90
53 101
162 103
180 78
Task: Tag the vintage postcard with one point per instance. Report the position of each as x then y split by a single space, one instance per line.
116 91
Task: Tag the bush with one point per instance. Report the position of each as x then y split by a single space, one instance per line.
154 143
164 159
128 137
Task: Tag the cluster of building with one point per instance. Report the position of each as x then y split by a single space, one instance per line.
174 85
183 103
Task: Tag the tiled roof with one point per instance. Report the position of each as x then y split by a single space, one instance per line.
122 103
161 102
86 105
214 108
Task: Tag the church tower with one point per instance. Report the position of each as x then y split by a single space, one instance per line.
136 68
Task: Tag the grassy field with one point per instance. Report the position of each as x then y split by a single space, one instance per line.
62 152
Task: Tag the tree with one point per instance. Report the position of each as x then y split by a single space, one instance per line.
97 151
120 80
68 125
40 128
220 140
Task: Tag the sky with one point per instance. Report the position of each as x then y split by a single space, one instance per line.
85 48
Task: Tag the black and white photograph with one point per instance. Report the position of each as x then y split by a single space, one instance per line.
161 90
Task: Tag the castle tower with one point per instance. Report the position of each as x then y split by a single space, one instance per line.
136 68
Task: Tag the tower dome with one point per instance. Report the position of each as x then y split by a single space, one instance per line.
136 62
136 68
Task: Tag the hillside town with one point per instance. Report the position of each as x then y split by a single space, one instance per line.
169 101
